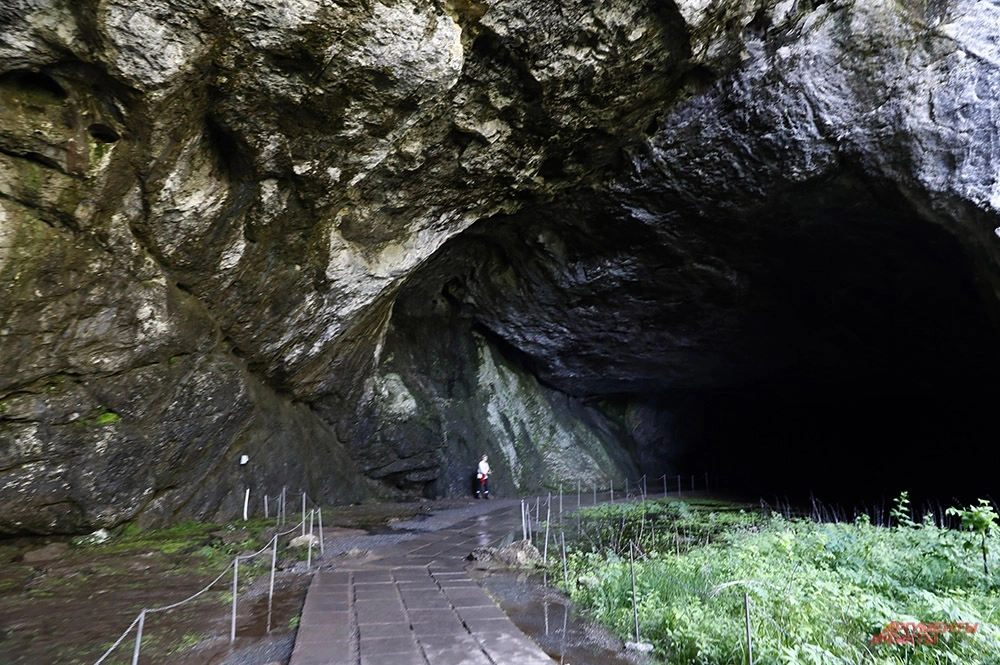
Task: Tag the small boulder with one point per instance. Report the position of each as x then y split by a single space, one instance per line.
641 647
51 552
519 554
96 538
304 541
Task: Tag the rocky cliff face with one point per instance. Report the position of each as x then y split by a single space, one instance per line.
365 242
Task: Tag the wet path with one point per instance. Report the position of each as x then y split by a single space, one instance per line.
415 604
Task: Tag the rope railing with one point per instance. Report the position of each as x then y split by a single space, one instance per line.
532 524
313 515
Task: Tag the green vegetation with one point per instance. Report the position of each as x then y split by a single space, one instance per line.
188 642
980 520
210 543
817 593
106 417
100 417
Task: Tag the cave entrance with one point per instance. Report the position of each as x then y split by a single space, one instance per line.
830 341
883 364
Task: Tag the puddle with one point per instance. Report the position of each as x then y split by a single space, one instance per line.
546 616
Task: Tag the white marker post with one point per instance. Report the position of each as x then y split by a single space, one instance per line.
246 495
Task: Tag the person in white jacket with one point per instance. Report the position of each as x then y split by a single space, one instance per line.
483 476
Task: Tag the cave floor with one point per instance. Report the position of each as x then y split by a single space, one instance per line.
69 609
414 595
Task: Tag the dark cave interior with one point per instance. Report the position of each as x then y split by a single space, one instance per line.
855 355
862 358
886 371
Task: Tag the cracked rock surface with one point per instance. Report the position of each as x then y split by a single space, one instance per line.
364 242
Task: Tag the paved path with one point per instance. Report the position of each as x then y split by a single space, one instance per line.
415 604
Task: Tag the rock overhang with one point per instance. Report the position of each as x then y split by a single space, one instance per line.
634 205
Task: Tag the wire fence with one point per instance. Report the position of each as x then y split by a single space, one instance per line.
310 522
533 524
542 515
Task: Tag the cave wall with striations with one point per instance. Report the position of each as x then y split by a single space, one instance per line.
366 242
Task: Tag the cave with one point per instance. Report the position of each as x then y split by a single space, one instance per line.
363 244
853 357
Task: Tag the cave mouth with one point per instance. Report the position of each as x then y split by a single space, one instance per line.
883 369
852 444
854 356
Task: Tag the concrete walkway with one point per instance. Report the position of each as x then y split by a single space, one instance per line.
415 604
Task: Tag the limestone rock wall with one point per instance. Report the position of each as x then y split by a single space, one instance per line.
235 227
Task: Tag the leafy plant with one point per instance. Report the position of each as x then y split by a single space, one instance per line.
818 592
107 417
981 520
901 510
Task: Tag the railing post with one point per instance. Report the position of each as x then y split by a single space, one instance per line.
236 577
309 557
548 518
138 638
635 608
565 569
524 523
319 518
746 609
270 589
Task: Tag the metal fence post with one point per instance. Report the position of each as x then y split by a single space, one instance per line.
138 637
309 557
746 608
565 570
236 576
635 608
270 589
319 518
548 518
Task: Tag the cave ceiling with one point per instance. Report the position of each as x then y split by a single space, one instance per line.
364 242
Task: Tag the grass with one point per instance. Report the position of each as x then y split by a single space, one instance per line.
817 592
